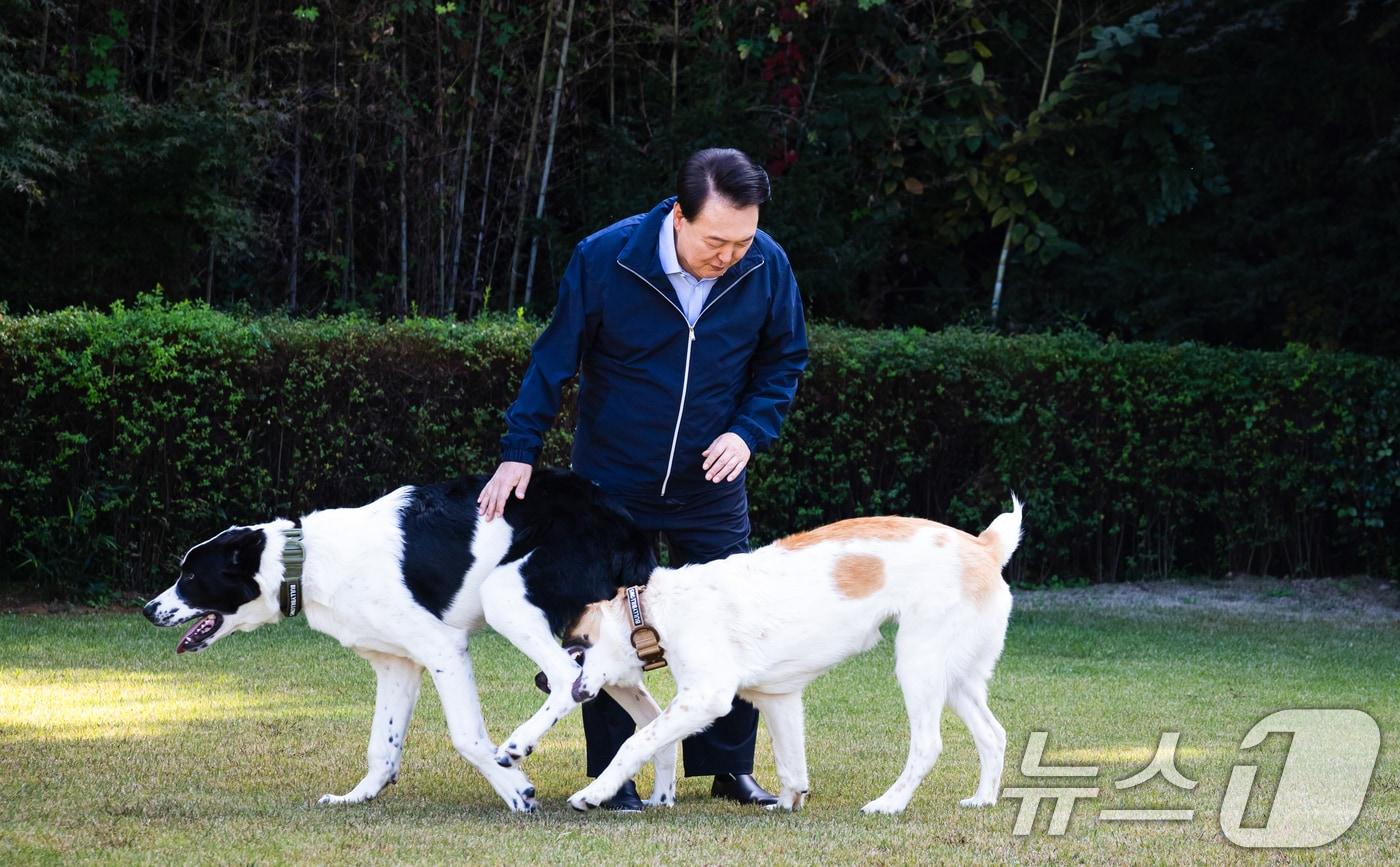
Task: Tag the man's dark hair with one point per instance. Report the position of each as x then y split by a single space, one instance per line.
728 173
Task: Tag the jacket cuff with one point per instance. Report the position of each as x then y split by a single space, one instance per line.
748 435
521 456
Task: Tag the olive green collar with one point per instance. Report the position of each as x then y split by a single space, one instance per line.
293 556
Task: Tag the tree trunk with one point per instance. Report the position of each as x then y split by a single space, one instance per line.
812 88
151 51
675 58
486 194
549 149
43 42
501 223
401 304
440 212
347 277
296 183
1011 223
252 47
459 214
529 159
612 66
203 35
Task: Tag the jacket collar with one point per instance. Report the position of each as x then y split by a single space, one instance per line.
642 256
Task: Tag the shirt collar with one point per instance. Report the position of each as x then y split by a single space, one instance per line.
666 246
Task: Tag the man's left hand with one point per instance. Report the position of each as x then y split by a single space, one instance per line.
726 458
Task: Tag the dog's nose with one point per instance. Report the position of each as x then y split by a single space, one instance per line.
580 694
150 610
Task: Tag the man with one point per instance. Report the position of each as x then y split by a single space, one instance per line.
685 325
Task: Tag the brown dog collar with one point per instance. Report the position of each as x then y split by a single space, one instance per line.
645 640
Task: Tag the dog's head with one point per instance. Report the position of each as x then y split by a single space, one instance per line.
604 641
228 583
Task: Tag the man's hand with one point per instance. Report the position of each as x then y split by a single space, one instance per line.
726 458
510 476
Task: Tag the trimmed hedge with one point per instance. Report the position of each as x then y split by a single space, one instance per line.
131 435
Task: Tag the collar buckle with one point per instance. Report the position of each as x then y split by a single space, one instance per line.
645 639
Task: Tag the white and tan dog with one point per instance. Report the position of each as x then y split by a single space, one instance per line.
765 624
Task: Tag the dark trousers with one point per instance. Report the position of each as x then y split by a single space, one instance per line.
698 528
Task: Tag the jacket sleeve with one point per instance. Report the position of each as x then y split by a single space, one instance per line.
777 363
554 359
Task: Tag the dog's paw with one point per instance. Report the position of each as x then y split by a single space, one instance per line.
790 800
585 799
661 799
350 798
523 800
510 754
977 801
882 806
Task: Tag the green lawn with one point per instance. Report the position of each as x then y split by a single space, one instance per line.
112 748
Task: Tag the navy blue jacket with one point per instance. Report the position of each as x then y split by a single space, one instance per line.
653 391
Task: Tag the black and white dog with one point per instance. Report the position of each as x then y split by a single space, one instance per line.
404 580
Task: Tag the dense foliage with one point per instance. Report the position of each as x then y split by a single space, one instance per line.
1178 169
131 435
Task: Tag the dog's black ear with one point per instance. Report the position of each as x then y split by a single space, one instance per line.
243 548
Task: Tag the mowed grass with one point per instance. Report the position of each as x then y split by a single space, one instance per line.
114 749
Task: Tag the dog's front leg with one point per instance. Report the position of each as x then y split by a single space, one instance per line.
692 710
456 686
509 611
643 709
395 696
783 715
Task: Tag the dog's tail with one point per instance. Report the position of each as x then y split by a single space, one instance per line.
1004 534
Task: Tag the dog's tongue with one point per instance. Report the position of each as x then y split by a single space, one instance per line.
202 627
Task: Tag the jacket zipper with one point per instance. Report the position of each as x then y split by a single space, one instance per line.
689 345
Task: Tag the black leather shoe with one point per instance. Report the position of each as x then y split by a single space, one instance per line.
627 800
741 788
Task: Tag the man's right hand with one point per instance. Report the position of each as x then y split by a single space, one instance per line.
510 476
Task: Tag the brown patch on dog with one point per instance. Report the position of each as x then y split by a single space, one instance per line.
588 625
981 570
884 529
859 575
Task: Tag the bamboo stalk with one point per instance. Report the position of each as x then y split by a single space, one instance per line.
252 47
440 212
347 277
1011 223
296 180
675 55
401 303
459 214
486 190
549 149
529 159
151 50
612 65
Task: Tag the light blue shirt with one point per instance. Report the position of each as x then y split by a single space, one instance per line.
691 291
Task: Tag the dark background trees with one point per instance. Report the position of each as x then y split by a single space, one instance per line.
1227 173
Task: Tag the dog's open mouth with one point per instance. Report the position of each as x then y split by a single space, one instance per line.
198 634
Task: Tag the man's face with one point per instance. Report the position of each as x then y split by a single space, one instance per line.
718 237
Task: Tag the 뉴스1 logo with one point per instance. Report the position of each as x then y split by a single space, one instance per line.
1326 774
